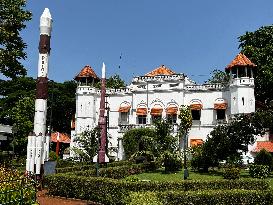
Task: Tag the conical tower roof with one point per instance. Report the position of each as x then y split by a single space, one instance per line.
162 70
86 72
240 61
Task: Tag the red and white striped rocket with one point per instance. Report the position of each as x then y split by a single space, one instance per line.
40 140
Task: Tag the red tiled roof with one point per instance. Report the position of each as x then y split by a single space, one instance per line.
267 145
240 60
87 71
162 70
63 137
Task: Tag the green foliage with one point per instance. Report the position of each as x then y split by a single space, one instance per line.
152 141
185 119
53 156
259 171
219 77
113 81
132 179
22 115
228 141
82 166
231 173
13 18
218 197
138 140
264 158
143 198
163 138
172 162
111 191
257 46
88 142
119 172
15 188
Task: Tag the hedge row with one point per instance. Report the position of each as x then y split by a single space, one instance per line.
112 191
81 167
114 172
208 197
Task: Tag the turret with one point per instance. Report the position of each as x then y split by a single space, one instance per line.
242 98
87 76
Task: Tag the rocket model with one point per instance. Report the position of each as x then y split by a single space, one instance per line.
38 143
102 157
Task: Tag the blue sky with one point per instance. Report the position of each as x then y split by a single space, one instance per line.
191 37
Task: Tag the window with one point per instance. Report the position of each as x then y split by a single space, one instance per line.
142 119
220 114
156 117
123 118
196 114
172 118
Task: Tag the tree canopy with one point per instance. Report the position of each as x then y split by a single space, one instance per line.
12 20
219 77
258 47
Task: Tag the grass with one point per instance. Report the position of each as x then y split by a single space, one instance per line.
159 175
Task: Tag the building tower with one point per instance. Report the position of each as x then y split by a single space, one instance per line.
85 102
242 99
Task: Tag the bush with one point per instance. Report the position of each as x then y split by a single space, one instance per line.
80 166
259 171
231 173
15 188
114 172
264 158
216 197
172 162
147 198
112 191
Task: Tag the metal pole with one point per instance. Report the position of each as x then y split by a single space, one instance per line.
186 172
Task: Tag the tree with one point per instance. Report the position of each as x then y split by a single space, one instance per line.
219 77
61 105
12 19
258 47
228 141
113 81
88 144
184 127
22 115
165 141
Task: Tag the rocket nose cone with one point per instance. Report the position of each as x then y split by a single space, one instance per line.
46 14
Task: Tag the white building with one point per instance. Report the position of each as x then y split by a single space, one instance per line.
160 93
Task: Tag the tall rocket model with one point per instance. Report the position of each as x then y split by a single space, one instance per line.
38 142
102 157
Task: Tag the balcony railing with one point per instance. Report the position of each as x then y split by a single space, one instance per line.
124 128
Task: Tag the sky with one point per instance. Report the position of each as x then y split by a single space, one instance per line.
191 37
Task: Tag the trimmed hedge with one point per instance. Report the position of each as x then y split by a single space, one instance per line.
216 197
259 171
111 191
81 167
114 172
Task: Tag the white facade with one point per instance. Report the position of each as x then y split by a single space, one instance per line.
214 103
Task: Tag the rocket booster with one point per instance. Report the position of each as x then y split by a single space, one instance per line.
42 80
38 143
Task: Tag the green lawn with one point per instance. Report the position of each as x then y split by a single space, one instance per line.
159 175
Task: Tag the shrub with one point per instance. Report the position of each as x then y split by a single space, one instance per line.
172 162
231 173
53 156
15 188
80 166
147 198
258 171
264 158
216 197
111 191
114 172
